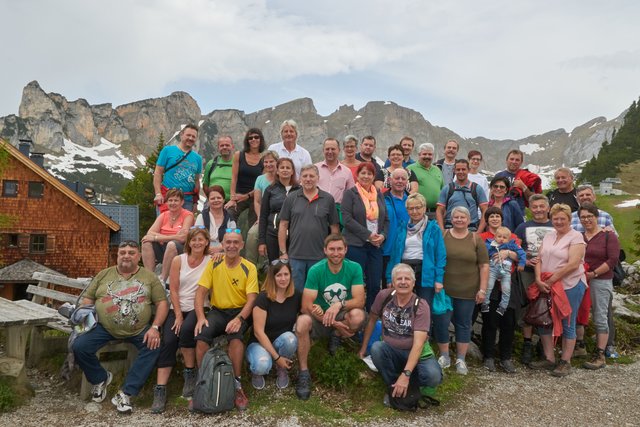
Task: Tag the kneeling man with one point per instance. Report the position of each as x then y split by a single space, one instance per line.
404 354
123 296
332 305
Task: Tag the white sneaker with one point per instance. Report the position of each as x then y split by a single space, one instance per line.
367 360
461 367
99 391
122 402
444 362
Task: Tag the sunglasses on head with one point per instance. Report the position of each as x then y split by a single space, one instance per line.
130 243
279 261
202 227
233 230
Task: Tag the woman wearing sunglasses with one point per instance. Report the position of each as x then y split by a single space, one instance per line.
274 315
512 215
178 329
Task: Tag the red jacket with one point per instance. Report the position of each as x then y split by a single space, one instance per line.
560 307
531 180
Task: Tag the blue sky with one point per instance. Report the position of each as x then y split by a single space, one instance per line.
499 69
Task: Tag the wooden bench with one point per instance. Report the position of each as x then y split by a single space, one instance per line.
117 356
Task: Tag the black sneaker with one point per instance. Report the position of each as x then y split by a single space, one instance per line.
507 366
500 311
159 399
334 343
527 353
484 308
190 377
303 387
489 364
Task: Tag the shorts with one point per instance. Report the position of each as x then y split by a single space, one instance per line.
318 330
218 320
159 249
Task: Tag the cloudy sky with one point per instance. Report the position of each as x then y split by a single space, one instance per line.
499 69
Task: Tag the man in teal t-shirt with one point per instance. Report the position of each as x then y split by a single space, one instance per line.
332 305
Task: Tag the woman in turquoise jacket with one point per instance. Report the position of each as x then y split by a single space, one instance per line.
420 245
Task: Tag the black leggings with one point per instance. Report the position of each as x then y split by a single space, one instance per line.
171 342
491 322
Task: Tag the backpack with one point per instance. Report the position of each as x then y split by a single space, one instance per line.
618 272
215 387
473 190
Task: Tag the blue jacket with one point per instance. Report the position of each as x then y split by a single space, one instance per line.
398 219
434 255
510 246
512 215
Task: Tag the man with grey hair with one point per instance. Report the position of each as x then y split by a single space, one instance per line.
447 163
430 179
289 148
308 215
586 194
566 191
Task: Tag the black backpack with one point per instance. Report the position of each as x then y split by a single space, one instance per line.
473 190
215 388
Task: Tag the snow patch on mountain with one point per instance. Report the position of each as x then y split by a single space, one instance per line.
530 148
80 158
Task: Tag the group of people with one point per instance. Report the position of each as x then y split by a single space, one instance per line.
411 247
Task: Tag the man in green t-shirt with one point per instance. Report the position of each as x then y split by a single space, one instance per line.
430 180
218 170
332 305
123 296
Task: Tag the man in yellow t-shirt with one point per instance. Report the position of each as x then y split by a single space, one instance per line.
233 285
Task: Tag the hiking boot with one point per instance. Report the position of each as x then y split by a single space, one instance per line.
282 378
257 381
190 378
597 361
610 352
334 343
159 399
122 402
490 364
303 388
99 391
507 366
527 353
461 367
444 362
241 400
543 364
500 311
484 308
563 368
580 350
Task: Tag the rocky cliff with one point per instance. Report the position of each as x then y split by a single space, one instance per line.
133 129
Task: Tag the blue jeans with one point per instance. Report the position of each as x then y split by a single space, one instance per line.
260 360
370 259
461 316
87 344
574 295
299 270
499 271
391 361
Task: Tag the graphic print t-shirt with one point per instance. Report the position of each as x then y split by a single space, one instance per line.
124 305
331 287
399 323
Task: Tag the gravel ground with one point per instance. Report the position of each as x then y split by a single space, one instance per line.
609 397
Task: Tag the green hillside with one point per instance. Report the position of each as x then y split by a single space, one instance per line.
623 149
623 218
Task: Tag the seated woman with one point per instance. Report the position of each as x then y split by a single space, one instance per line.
274 316
165 239
178 328
215 218
404 354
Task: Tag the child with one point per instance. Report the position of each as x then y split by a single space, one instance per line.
501 268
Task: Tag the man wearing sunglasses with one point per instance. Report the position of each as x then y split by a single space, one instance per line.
123 296
231 284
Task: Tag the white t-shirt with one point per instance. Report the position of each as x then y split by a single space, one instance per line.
189 282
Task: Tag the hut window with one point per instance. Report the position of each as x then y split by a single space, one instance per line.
38 243
9 188
36 189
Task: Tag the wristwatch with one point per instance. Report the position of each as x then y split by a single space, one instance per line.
407 372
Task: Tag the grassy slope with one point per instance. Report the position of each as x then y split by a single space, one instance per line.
623 219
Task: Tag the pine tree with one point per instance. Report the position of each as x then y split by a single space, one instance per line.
139 191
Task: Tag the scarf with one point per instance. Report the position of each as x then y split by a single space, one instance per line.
370 201
417 228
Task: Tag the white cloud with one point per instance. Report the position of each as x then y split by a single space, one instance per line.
496 68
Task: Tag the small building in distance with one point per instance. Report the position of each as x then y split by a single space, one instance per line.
48 222
606 187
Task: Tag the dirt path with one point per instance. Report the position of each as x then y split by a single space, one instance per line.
609 397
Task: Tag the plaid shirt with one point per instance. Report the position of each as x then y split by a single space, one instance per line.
604 220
